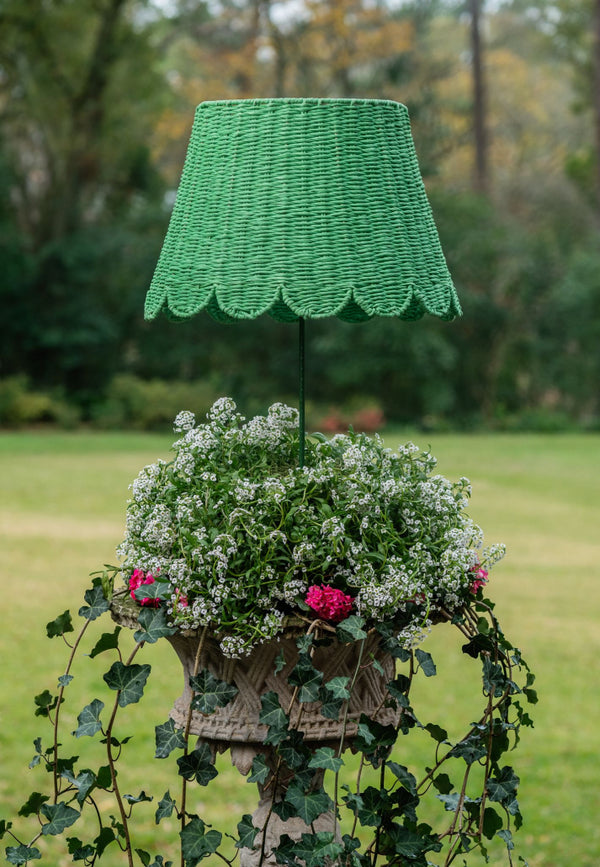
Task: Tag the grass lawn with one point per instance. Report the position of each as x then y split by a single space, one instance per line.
62 514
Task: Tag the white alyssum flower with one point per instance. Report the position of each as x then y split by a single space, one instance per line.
241 532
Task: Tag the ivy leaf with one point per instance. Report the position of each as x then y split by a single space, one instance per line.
38 753
426 662
531 695
197 843
407 843
78 850
404 776
33 804
353 800
491 822
374 739
450 801
97 603
391 644
470 749
330 709
443 784
59 816
154 625
168 738
478 644
273 716
307 678
45 702
314 850
284 810
104 777
305 642
107 641
143 856
377 666
22 854
280 662
159 589
398 688
165 808
503 787
210 692
292 750
89 719
103 840
437 733
338 687
129 680
494 679
65 764
84 782
198 765
374 802
506 835
62 624
138 799
325 757
333 694
65 679
260 770
286 850
366 736
351 629
308 806
247 833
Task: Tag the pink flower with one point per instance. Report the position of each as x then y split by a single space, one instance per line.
182 601
481 578
137 579
329 603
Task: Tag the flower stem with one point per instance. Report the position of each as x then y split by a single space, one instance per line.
111 764
186 734
57 714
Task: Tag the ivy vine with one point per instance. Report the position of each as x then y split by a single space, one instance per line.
373 825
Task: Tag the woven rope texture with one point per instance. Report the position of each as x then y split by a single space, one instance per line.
302 208
255 675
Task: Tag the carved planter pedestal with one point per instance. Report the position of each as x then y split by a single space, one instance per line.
236 727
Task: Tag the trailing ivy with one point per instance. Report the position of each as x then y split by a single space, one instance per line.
374 824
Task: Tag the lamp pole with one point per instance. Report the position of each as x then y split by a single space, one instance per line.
301 364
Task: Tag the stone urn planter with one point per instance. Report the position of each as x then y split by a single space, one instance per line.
236 727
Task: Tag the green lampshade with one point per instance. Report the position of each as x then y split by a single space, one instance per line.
302 208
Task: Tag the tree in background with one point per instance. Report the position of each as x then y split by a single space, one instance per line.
480 135
96 104
79 96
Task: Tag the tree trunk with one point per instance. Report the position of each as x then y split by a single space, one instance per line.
596 93
481 173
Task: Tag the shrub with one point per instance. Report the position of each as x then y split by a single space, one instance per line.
21 406
131 402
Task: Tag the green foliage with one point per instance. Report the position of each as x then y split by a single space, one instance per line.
132 402
232 533
21 405
85 160
477 791
197 765
168 738
128 681
60 817
197 842
89 719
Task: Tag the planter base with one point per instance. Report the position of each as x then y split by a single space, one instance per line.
236 727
